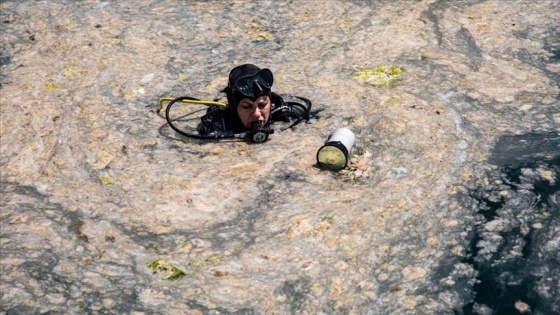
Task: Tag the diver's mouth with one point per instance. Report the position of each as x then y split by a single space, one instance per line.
259 121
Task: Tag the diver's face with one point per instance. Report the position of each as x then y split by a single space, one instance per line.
250 111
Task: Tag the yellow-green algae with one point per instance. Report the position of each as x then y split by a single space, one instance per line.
214 259
167 270
380 76
68 72
51 86
106 180
328 219
394 100
264 35
344 25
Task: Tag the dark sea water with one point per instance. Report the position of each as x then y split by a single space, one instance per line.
518 258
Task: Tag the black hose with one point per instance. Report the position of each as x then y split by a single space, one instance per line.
211 136
305 108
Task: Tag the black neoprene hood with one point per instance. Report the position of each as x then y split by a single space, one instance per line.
248 81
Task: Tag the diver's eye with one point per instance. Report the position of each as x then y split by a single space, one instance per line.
246 106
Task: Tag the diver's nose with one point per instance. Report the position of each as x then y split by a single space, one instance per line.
256 112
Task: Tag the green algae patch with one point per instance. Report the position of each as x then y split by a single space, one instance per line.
106 180
393 100
167 270
68 72
214 259
51 86
264 35
380 76
344 25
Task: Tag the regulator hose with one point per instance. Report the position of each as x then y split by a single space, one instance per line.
305 108
210 136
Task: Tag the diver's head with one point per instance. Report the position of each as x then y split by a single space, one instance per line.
249 85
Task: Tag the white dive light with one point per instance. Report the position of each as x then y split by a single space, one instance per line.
334 154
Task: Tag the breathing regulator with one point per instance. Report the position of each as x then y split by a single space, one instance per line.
258 132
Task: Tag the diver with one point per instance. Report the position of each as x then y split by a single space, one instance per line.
251 108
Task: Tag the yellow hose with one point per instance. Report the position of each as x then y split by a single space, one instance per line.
201 102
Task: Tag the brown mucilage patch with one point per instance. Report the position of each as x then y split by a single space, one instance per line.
358 168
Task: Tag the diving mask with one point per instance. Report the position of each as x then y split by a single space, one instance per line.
255 85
